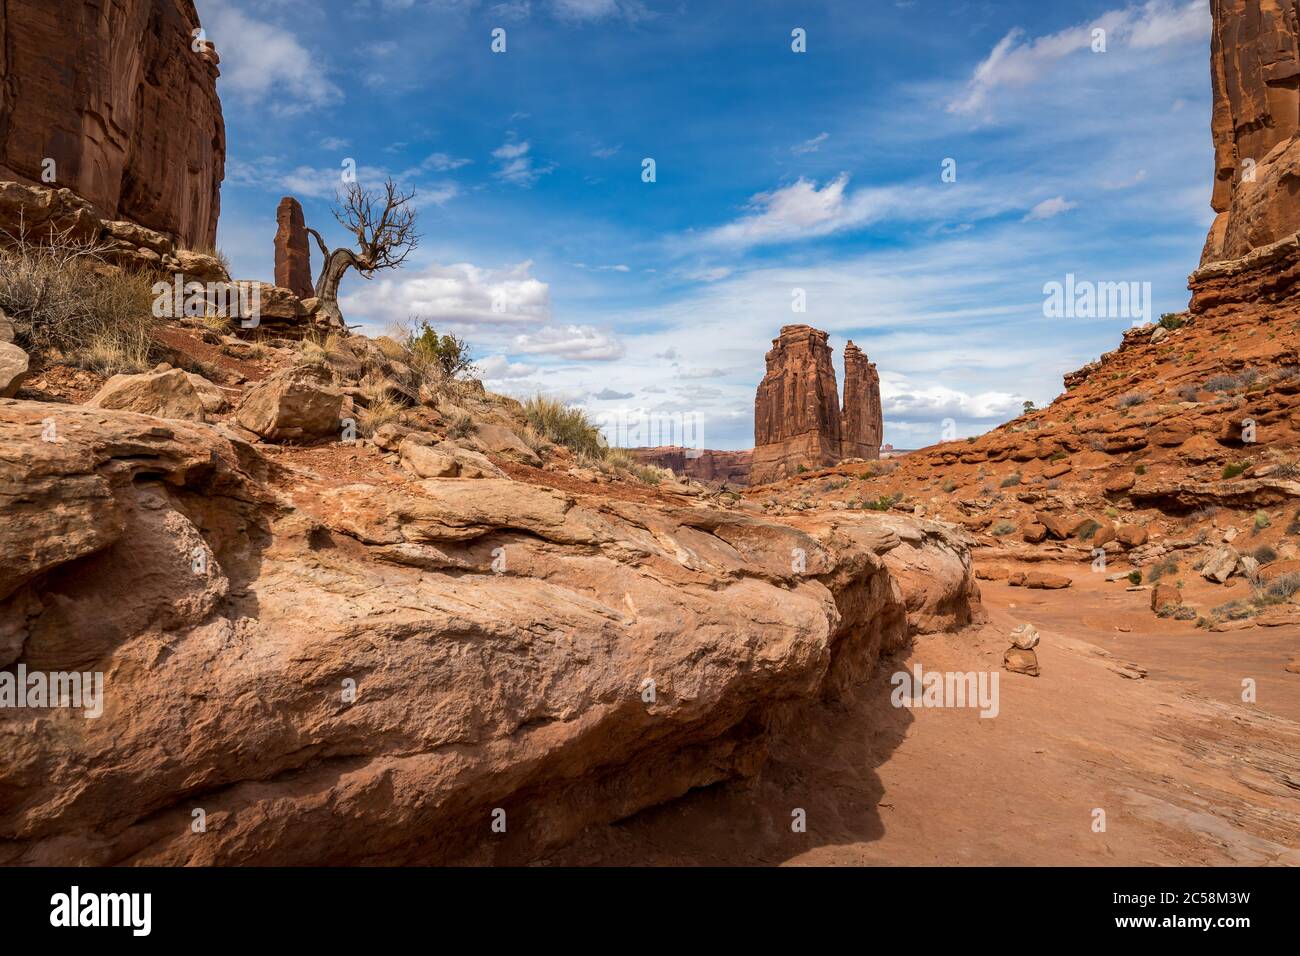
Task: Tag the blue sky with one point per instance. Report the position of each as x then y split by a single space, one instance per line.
775 170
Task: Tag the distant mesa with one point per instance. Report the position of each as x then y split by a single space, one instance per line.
798 421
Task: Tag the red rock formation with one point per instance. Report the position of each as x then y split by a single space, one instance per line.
117 97
292 253
862 423
1255 73
719 468
796 410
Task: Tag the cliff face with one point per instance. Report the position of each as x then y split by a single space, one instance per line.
709 466
1255 75
796 410
116 96
862 424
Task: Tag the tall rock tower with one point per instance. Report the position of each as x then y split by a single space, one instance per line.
796 410
292 250
862 423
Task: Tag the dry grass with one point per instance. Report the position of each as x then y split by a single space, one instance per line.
67 304
379 412
565 426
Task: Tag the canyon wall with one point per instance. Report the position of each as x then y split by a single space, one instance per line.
115 95
709 466
1255 76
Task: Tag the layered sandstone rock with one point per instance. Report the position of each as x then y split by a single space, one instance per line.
118 98
798 421
862 424
361 673
796 410
707 466
292 251
1255 74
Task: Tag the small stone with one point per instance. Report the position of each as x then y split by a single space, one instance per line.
1024 636
1020 661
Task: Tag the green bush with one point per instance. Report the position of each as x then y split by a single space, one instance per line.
1232 471
448 353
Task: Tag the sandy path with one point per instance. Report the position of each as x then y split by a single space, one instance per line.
1185 772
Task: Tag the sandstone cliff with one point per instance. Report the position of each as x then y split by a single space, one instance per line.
116 96
292 250
1255 75
709 466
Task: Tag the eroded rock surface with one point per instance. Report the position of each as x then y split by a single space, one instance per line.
567 658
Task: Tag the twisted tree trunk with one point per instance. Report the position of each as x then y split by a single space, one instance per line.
327 284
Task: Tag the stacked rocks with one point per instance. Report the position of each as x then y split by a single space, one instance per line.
1020 657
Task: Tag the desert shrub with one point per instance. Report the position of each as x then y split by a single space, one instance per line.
461 426
379 412
883 503
1284 585
1233 470
1231 383
1264 554
1088 529
446 353
1158 571
1112 512
65 301
1140 470
1261 520
1172 320
1003 528
1188 393
1011 480
949 485
1132 398
1135 577
563 425
1057 456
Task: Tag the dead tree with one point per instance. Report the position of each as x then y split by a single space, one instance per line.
384 226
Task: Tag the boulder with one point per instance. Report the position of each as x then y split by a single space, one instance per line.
501 440
7 330
1165 595
163 394
1220 564
13 369
292 404
213 398
445 460
1131 535
1024 636
201 267
1043 581
1034 532
1020 661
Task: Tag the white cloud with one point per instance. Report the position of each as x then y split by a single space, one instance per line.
804 210
264 64
333 143
810 145
516 165
597 9
581 342
1017 62
498 367
1049 208
932 403
459 293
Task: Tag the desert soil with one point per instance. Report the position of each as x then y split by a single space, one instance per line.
1186 772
